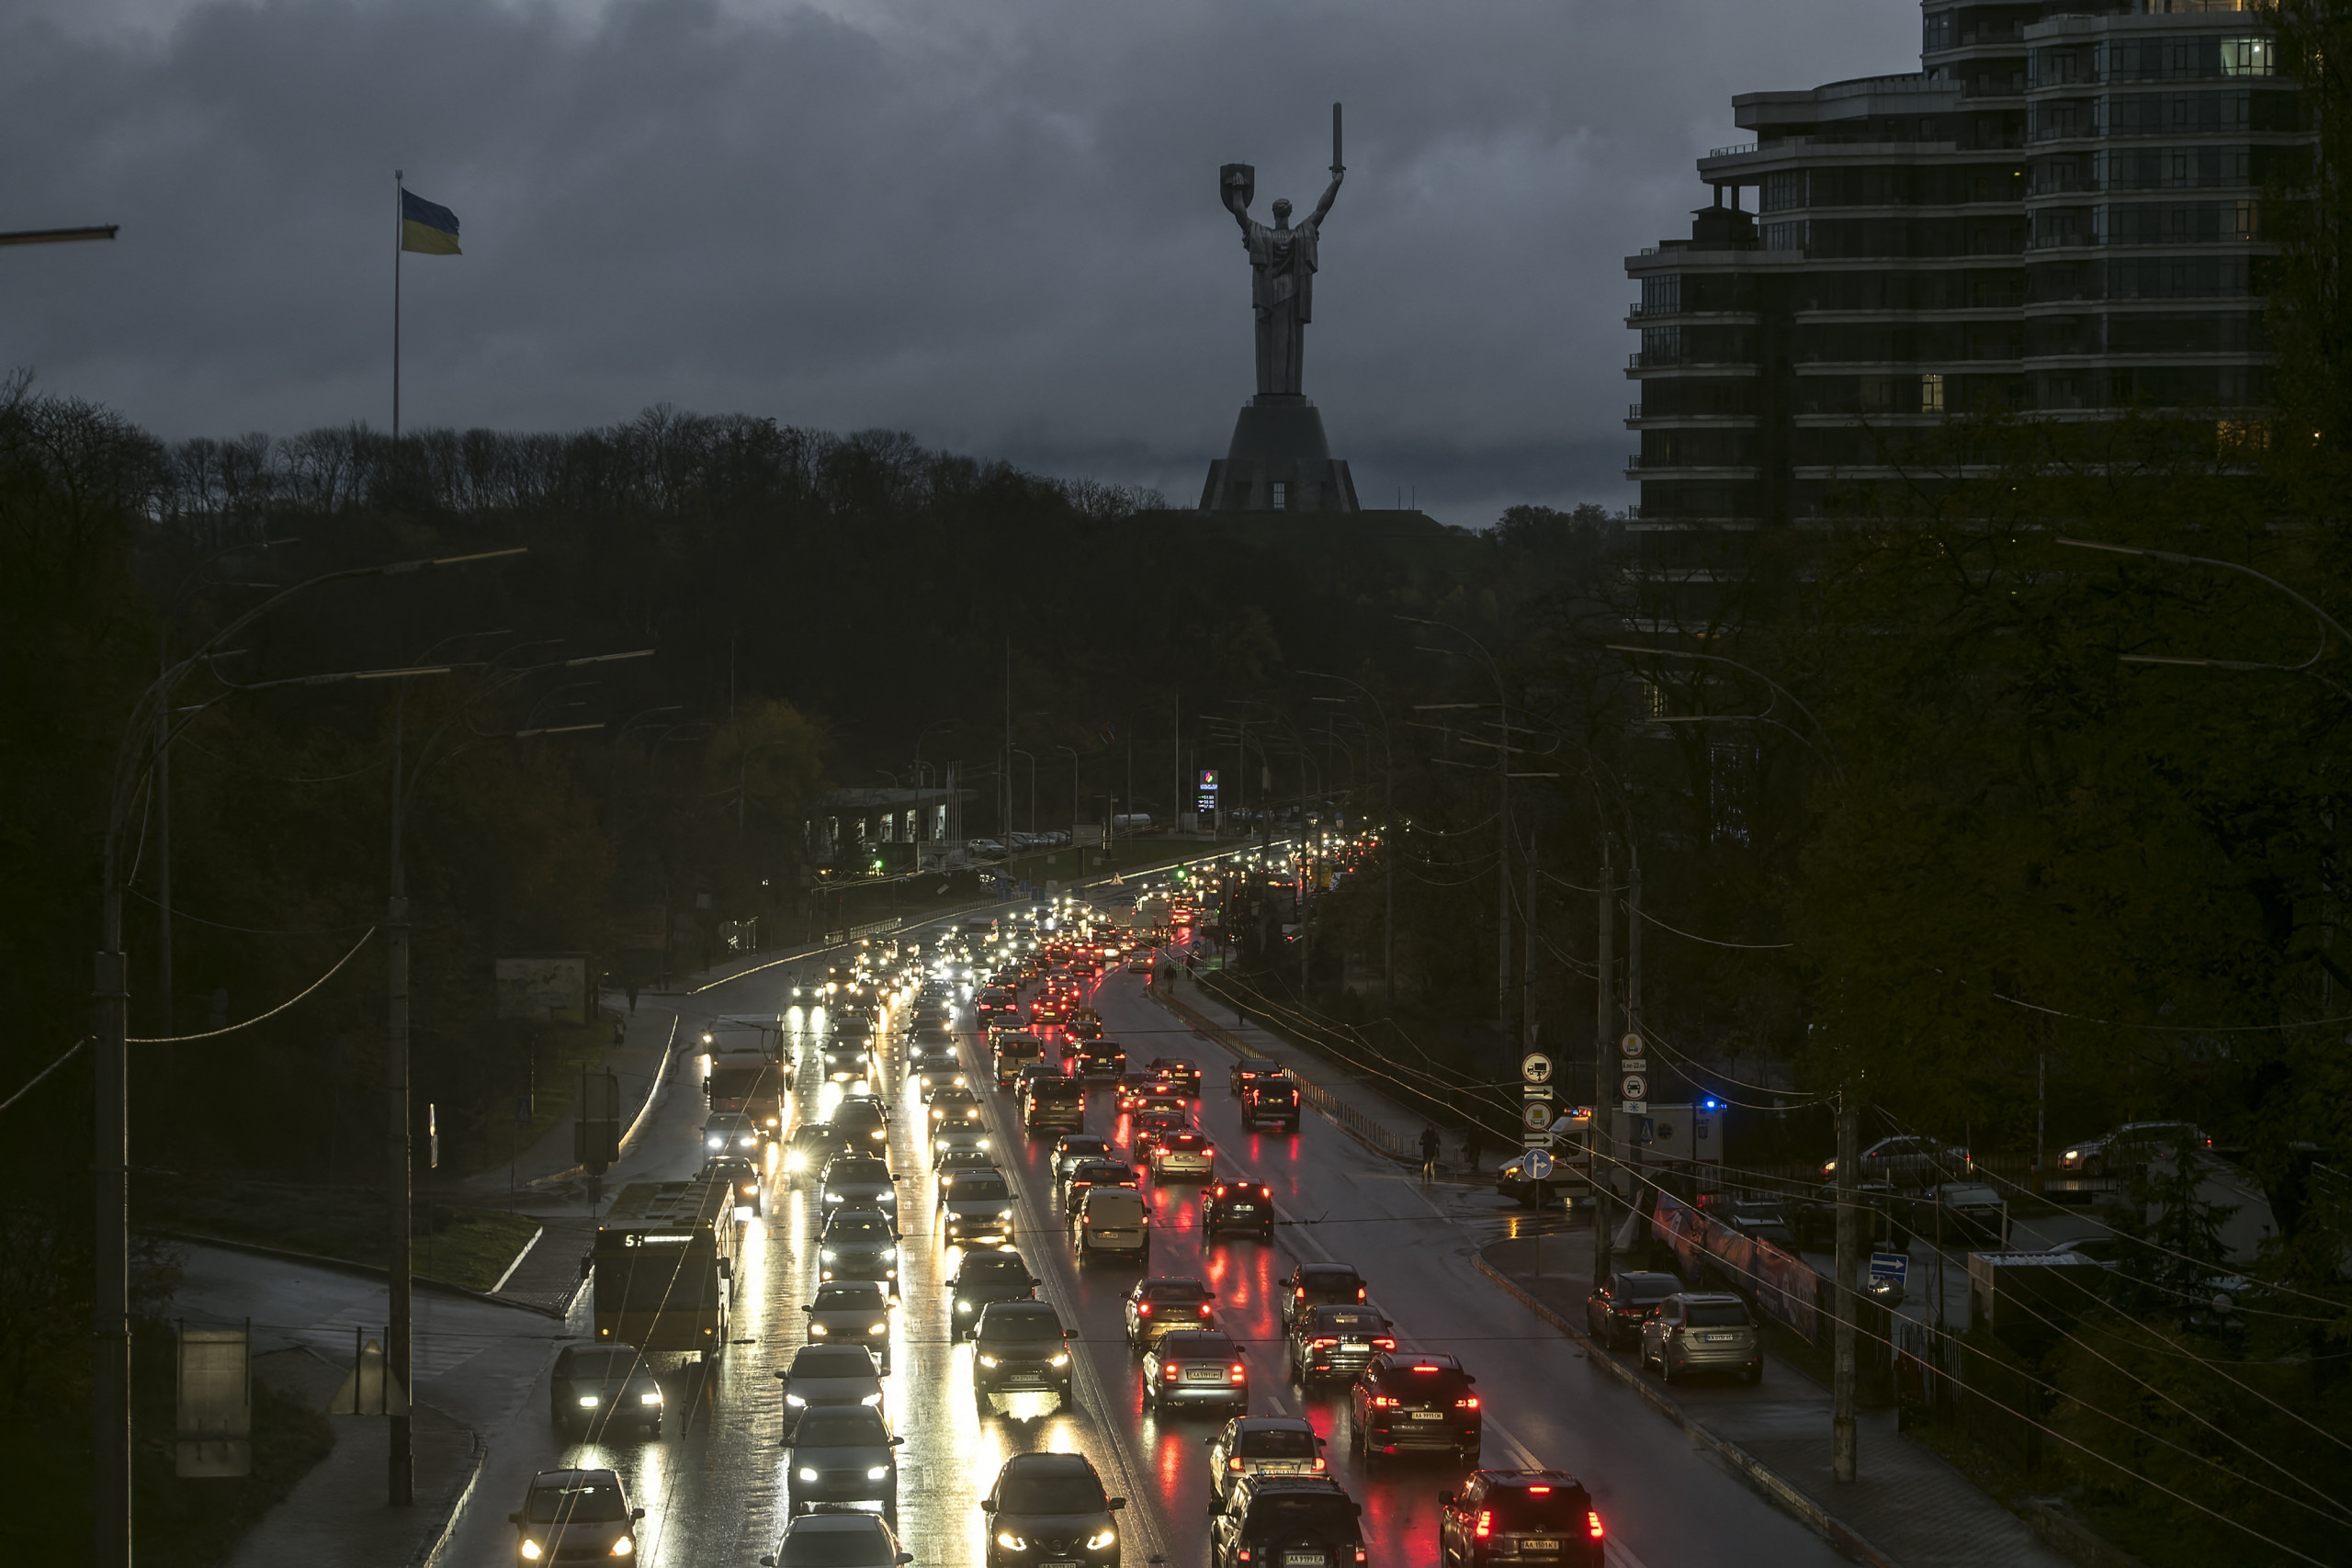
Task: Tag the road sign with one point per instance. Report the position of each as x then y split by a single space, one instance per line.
1637 1107
1538 1165
1536 1068
1629 1047
1633 1085
1536 1116
1895 1266
1633 1064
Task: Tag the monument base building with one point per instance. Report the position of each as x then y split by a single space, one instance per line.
1280 461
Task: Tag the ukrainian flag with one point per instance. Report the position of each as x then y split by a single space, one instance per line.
427 226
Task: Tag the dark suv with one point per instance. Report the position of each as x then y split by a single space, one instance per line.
1050 1507
1018 1349
1522 1516
1409 1401
1336 1343
600 1388
1271 1102
1320 1284
1613 1312
1287 1521
1237 1206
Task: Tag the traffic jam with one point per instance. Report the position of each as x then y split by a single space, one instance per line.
1020 1259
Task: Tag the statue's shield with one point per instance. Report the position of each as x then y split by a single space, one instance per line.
1240 178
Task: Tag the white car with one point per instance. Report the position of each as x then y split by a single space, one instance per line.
837 1540
975 1205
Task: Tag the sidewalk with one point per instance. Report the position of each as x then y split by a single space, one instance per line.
1905 1508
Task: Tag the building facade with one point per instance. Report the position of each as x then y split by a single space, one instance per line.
2058 214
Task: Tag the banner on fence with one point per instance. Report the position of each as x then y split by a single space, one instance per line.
1775 1283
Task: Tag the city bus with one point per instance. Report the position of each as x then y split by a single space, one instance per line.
663 1267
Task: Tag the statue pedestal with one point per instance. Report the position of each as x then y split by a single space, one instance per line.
1280 461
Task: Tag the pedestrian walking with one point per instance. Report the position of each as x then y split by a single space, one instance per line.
632 996
1470 1147
1428 1152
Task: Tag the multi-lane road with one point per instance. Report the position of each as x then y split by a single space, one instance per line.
713 1486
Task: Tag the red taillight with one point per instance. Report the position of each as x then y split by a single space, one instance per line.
1319 1470
1238 1373
1234 1464
1383 1402
1592 1524
1386 1343
1301 1294
1359 1292
1325 1344
1539 1491
1486 1524
1472 1404
1204 1310
1360 1553
1243 1555
1168 1373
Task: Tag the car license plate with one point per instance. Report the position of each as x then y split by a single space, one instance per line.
1428 1415
1721 1338
1539 1546
1028 1379
1204 1374
1302 1560
1110 1236
1057 1565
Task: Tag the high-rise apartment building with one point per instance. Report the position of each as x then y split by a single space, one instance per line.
2059 213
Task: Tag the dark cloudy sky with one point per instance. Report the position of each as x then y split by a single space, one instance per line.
993 223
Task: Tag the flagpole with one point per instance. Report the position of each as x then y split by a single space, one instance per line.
398 176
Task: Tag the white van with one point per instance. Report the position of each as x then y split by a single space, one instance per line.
1110 1221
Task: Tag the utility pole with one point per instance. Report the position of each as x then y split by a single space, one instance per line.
164 980
1842 1435
401 1457
1527 968
1604 1041
1502 867
1633 938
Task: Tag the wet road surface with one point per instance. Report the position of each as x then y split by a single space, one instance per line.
713 1486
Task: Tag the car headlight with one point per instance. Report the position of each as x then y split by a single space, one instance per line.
873 1398
652 1398
530 1552
795 1162
808 1474
1061 1358
624 1547
963 1306
794 1399
1100 1539
1010 1542
587 1401
819 1328
988 1361
878 1473
878 1328
1004 1213
829 1256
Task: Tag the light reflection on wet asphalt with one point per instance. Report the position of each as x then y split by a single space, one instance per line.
713 1488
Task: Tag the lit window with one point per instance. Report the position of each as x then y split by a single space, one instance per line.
1931 392
2249 57
1280 495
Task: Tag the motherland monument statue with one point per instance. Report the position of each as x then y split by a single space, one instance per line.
1280 459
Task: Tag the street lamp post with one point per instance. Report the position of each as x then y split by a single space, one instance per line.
110 1306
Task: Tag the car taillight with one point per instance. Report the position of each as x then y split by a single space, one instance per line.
1359 1292
1385 1343
1143 1309
1301 1293
1486 1524
1469 1403
1360 1553
1242 1555
1168 1373
1204 1310
1325 1344
1237 1374
1383 1402
1234 1464
1320 1464
1592 1524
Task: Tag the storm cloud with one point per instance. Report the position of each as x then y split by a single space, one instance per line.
992 223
